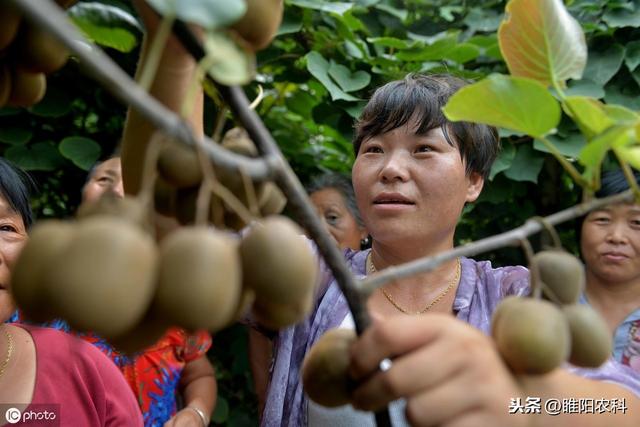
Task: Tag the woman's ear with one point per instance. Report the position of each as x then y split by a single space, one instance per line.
474 188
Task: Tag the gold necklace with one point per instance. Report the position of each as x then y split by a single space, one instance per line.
9 350
371 268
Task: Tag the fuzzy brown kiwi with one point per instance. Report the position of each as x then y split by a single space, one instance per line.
127 208
28 285
532 336
10 18
179 165
591 341
237 140
325 369
276 316
199 282
39 52
105 278
260 23
272 201
562 273
5 84
27 88
277 262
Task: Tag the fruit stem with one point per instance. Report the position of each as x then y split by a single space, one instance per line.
149 171
148 73
250 190
628 174
534 273
557 243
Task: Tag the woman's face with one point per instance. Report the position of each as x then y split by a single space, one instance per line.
332 208
412 188
107 176
13 236
610 243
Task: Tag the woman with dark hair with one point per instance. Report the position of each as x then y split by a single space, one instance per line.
610 247
333 197
75 382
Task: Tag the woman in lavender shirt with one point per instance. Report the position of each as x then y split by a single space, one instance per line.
413 174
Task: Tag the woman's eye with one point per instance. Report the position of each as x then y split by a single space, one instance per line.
105 180
373 149
423 149
331 218
8 228
601 220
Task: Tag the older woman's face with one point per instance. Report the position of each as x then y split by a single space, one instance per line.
332 208
412 188
610 243
13 236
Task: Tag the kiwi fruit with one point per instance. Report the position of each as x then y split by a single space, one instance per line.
28 286
237 140
164 197
277 261
199 282
5 84
179 166
104 280
276 316
10 18
260 23
272 201
27 88
325 369
532 335
127 208
562 275
39 52
144 335
591 341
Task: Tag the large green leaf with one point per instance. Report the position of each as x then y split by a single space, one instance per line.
42 156
435 51
526 165
511 102
210 14
107 25
540 40
83 152
604 64
631 155
226 62
319 68
15 135
570 146
593 154
588 113
504 160
338 8
348 81
623 16
632 55
584 87
56 103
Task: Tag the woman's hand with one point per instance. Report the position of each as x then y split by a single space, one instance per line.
186 417
449 372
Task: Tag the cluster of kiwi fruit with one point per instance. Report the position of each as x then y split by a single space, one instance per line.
260 23
537 335
27 54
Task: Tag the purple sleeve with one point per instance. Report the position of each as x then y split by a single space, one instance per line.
612 372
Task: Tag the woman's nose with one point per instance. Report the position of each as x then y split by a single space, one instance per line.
394 168
617 233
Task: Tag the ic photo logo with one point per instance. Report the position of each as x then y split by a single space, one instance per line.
13 415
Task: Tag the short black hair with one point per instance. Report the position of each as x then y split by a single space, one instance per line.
421 97
614 182
15 186
342 183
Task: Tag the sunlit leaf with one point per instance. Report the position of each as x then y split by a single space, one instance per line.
210 14
511 102
589 114
631 155
319 68
83 152
332 7
348 81
593 154
620 113
539 39
227 62
107 25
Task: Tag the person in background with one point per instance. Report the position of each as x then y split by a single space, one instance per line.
176 366
42 368
610 248
334 200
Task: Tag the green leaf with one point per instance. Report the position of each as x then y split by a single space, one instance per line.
584 87
619 113
348 81
631 155
463 52
437 50
56 103
43 156
226 62
482 19
526 165
392 42
210 14
632 55
107 25
589 115
401 14
571 146
603 65
511 102
622 17
594 152
83 152
15 135
539 39
319 68
338 8
221 413
504 160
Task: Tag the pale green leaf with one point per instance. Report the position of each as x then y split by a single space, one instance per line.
338 8
107 25
631 155
594 152
588 113
83 152
539 39
319 68
348 81
226 62
511 102
619 113
210 14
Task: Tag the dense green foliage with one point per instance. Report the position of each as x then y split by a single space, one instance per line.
317 74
